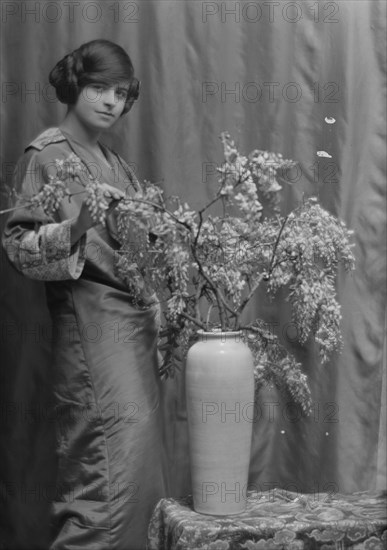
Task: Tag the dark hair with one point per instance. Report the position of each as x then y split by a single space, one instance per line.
96 62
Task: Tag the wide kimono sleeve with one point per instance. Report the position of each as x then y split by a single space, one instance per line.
38 245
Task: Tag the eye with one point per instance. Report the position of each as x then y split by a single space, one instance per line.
97 87
122 93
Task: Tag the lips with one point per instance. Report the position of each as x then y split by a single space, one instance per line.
105 113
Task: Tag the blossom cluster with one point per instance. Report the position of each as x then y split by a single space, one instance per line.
56 189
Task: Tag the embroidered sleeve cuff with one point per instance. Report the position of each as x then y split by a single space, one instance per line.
47 254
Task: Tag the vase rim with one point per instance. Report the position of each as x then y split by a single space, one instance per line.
219 332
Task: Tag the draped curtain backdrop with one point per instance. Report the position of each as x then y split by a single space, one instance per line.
269 73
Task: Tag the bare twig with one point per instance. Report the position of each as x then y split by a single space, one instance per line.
158 207
276 245
31 203
193 320
250 295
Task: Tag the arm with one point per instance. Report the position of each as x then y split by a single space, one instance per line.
45 252
37 245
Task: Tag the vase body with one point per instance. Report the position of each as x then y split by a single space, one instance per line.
220 408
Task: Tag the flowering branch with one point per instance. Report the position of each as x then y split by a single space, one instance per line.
187 257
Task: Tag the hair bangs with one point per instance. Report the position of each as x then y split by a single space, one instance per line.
106 78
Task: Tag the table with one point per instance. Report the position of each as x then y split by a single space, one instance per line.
274 520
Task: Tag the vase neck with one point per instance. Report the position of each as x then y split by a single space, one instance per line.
223 336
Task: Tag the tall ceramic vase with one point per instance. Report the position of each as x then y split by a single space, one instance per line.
220 407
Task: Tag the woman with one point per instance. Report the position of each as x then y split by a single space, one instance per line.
110 459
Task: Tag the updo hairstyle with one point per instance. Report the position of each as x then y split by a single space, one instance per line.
96 62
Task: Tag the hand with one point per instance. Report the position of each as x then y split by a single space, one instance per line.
112 192
84 220
113 195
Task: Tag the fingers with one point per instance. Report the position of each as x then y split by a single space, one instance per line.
112 193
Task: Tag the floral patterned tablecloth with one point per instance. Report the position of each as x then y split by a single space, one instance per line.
275 520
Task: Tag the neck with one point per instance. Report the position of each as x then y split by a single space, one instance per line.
75 128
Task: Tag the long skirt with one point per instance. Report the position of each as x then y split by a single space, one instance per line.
111 463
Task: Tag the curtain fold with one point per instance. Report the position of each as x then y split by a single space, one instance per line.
269 73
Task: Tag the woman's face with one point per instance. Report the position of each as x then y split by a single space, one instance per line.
99 106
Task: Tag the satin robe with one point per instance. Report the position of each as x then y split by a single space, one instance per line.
111 468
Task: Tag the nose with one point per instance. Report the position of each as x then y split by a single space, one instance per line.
109 97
